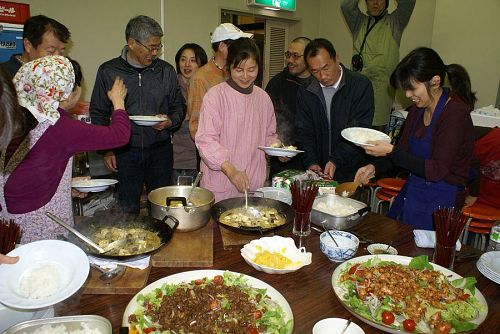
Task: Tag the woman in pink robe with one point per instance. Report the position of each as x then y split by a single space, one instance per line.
236 117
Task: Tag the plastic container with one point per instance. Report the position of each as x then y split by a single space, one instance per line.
494 244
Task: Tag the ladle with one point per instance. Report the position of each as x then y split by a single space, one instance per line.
112 245
195 184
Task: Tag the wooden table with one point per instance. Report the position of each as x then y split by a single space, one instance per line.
308 290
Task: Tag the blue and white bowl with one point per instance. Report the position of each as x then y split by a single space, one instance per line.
347 245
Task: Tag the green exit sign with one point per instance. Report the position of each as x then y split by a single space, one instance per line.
276 4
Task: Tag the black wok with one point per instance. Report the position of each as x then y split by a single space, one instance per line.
90 225
239 202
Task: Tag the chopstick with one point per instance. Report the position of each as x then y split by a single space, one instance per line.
9 234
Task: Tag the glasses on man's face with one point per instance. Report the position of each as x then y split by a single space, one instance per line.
293 55
151 49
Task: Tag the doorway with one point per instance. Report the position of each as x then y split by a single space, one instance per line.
270 35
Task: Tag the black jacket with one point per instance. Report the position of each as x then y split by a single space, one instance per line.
352 106
152 90
282 89
12 65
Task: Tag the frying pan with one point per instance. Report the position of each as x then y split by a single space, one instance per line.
239 202
90 225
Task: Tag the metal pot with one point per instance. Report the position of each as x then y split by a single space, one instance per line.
191 216
338 222
239 202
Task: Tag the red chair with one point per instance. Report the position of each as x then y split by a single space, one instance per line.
481 219
386 191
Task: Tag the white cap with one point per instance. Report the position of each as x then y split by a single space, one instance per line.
227 31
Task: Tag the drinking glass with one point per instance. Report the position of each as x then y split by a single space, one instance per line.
302 223
444 255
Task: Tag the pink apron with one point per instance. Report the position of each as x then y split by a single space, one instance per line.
36 225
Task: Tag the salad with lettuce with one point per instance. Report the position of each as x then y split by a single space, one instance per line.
414 297
222 304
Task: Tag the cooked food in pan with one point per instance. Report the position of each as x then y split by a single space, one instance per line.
262 217
139 240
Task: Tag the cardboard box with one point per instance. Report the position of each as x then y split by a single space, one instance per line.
285 178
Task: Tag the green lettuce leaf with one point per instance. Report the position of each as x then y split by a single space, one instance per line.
420 263
468 283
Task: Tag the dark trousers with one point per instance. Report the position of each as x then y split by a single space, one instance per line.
142 165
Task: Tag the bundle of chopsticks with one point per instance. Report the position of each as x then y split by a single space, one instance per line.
449 224
303 197
9 235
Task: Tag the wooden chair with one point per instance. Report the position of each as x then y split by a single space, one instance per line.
481 219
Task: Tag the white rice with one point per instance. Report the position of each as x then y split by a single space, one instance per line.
61 329
41 282
336 209
362 136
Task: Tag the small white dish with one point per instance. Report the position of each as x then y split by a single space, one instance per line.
360 136
94 185
70 262
375 249
280 152
335 326
146 120
276 244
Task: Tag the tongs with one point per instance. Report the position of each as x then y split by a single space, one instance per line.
115 244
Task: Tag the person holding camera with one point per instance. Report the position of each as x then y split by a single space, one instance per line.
376 40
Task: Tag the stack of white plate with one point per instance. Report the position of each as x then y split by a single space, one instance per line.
489 265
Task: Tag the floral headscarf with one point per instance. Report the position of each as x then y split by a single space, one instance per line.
42 83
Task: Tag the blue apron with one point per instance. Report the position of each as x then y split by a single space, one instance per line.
419 198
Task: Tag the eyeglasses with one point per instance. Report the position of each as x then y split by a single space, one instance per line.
151 49
293 55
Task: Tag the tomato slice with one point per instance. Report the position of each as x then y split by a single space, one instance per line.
252 330
199 281
353 269
149 330
387 317
257 314
464 296
409 325
218 280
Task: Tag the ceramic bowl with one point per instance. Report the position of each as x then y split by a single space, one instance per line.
276 244
347 245
375 249
335 326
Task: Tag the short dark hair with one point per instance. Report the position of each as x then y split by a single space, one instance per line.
313 47
241 49
78 73
141 27
36 26
215 46
199 53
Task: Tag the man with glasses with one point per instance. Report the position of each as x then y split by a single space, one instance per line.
42 36
153 90
212 73
337 99
282 89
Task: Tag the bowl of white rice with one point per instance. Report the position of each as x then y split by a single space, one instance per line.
48 272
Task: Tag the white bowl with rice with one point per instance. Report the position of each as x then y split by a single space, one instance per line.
48 272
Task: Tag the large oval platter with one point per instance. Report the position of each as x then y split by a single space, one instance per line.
189 276
404 260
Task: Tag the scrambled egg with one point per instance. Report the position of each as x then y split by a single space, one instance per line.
274 259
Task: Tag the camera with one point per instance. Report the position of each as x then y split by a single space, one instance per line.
357 62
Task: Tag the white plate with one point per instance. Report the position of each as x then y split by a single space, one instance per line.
189 276
94 185
281 245
373 248
280 152
335 326
404 260
10 317
147 120
491 260
69 260
360 136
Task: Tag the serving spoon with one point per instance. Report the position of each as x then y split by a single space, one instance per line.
347 189
111 246
195 184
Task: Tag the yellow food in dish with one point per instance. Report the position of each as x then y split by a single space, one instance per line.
274 260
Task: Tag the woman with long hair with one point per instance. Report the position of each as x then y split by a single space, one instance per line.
437 142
